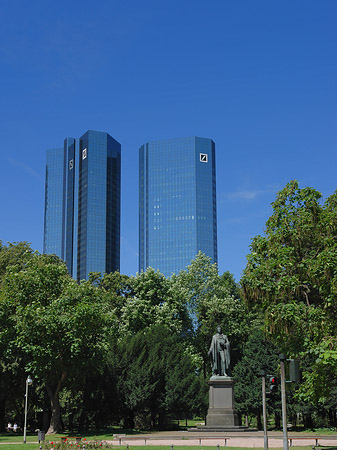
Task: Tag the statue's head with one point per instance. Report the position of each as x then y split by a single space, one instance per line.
219 329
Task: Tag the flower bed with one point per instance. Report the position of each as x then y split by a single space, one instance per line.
69 443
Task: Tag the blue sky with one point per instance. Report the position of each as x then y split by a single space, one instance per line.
258 77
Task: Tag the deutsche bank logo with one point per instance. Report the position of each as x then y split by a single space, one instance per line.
203 157
84 153
71 164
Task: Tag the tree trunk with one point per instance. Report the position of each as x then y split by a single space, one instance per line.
71 422
54 396
307 420
277 420
2 413
85 402
332 418
129 419
258 420
55 420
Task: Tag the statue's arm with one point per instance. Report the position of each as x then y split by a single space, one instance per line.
210 351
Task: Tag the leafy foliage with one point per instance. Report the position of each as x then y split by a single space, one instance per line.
258 354
212 301
292 274
156 377
58 326
151 304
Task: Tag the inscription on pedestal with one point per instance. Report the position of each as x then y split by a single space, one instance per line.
221 411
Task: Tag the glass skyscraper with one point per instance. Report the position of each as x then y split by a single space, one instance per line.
53 211
177 203
82 204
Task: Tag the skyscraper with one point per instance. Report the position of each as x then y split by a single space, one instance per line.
177 203
53 210
82 204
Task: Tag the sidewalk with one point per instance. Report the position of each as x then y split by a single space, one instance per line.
245 439
238 439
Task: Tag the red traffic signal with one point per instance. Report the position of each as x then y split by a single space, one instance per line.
273 383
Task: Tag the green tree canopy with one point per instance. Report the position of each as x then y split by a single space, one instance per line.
156 377
292 274
212 300
16 253
151 303
59 327
258 354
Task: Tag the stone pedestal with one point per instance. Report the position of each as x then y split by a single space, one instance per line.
222 415
221 411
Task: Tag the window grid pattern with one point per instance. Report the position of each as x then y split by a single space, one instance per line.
68 201
98 205
82 204
53 215
177 215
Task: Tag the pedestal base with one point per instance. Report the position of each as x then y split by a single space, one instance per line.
222 415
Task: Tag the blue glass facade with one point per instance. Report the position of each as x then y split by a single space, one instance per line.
53 211
177 203
68 202
98 204
82 207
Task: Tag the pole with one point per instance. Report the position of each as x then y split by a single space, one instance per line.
26 405
284 403
29 381
264 409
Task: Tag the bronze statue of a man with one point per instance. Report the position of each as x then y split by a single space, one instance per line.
219 352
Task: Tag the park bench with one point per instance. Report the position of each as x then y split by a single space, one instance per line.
122 437
294 438
324 447
317 446
69 438
225 439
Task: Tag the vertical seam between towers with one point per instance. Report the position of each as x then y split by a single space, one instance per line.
64 199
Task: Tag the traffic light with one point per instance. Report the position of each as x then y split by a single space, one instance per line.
273 383
294 370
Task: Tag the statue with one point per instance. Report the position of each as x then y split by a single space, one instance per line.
219 352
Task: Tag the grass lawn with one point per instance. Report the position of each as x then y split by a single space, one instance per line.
20 446
101 435
150 447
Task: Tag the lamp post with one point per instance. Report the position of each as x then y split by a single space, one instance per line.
264 409
29 381
284 402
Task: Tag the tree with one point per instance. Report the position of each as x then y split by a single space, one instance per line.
16 253
61 328
150 304
292 274
258 354
11 376
156 377
211 300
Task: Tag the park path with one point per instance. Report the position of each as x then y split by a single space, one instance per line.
244 439
209 439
